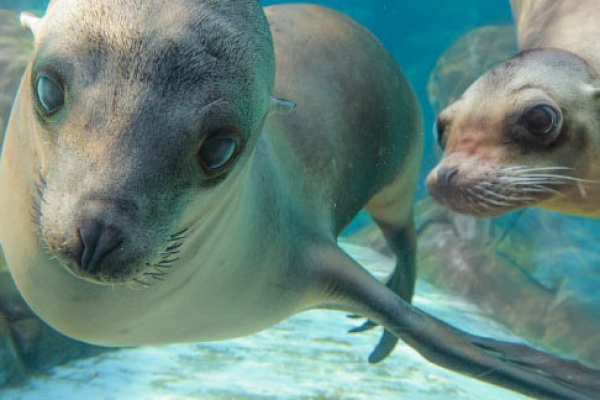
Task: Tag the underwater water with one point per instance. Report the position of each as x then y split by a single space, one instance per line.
552 258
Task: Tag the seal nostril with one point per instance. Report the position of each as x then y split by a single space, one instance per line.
446 175
98 240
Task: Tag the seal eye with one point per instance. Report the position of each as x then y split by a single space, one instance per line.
217 151
440 129
50 94
541 119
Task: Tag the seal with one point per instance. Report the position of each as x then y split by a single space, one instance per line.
526 132
177 197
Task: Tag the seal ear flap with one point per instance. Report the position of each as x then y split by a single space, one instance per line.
30 22
281 106
593 90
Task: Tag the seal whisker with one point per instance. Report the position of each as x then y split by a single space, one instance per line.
167 258
582 190
162 268
548 190
166 254
535 169
527 180
174 246
502 196
563 177
181 233
521 178
34 213
42 179
142 284
513 168
490 201
37 198
533 190
40 192
168 261
516 186
178 239
476 202
153 275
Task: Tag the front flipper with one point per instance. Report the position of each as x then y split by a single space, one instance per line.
346 286
402 241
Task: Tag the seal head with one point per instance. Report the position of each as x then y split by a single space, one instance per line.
522 134
111 177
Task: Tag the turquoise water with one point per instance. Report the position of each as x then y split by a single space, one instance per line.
311 356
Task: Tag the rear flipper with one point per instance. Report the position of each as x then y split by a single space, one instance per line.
569 371
346 286
402 280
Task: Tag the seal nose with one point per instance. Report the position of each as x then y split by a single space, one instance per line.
446 175
97 240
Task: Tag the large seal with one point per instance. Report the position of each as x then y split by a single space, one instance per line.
526 133
175 199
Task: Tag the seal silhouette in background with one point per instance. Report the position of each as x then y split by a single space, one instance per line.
175 199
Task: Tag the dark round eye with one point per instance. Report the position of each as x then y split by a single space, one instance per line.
440 129
541 119
217 151
50 94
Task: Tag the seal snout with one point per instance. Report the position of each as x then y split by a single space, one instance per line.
441 182
97 241
445 175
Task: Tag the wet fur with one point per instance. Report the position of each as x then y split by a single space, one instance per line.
256 246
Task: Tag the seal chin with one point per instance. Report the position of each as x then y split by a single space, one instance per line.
102 278
488 191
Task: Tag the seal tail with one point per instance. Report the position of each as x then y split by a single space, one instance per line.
348 287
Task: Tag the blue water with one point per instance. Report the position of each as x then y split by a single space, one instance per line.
416 32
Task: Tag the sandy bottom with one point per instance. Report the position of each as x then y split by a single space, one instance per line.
307 357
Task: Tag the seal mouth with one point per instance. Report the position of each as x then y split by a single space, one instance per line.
499 190
145 276
88 256
149 274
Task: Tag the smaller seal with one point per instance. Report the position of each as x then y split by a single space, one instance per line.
526 133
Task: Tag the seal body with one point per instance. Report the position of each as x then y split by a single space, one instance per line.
123 153
526 132
157 188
